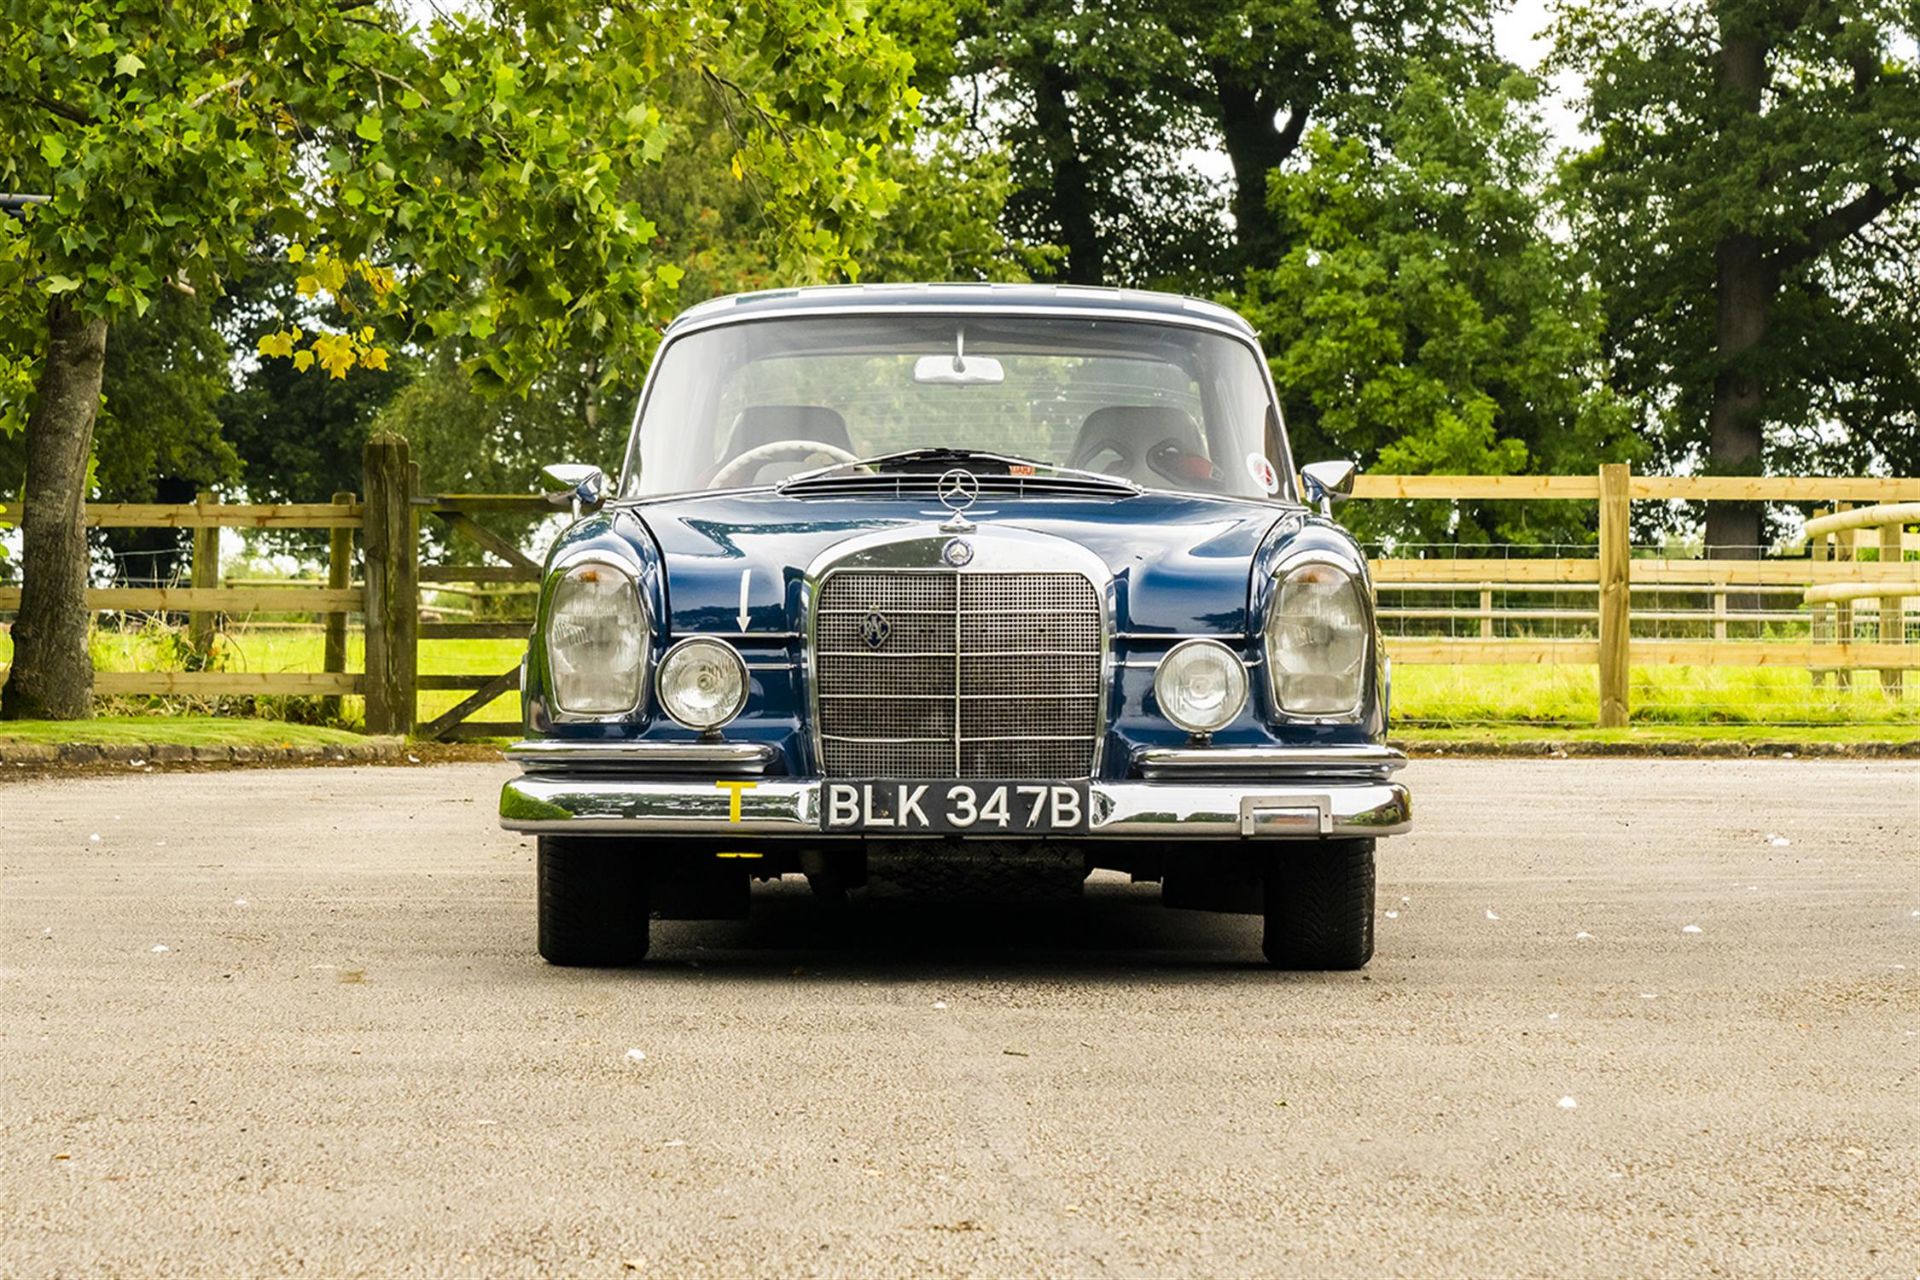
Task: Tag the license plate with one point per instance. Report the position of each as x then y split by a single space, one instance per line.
955 808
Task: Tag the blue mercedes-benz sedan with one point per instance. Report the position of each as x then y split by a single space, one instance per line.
956 587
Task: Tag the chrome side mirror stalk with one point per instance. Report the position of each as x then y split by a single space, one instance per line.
1328 482
574 484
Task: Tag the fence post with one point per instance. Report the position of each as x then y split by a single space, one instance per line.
392 554
339 578
1843 610
409 605
1615 595
206 577
1821 624
1893 620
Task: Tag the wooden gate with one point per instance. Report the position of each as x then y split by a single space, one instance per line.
395 511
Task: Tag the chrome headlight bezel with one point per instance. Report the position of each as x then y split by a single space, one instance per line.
728 655
1342 710
627 594
1168 671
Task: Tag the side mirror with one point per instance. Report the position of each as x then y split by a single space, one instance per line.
574 484
1328 483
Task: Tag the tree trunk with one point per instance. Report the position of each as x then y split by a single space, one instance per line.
1744 286
1256 147
52 675
1072 191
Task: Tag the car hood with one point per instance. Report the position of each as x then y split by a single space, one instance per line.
1180 563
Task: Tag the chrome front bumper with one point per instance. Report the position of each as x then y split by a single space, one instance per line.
1305 793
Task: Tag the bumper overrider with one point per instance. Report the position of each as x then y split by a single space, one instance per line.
724 789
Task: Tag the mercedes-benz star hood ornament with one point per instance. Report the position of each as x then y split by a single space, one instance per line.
957 490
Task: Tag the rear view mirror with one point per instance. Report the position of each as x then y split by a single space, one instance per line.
574 484
958 371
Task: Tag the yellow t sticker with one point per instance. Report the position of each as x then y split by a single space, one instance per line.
733 800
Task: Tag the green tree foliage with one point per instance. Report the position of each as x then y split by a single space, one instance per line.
1102 109
468 442
1749 210
719 228
298 435
463 181
1425 320
158 437
164 379
942 226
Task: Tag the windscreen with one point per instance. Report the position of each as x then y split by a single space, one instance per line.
754 402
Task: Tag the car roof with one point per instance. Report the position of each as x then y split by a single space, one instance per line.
1053 298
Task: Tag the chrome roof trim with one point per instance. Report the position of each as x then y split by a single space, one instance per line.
946 296
695 322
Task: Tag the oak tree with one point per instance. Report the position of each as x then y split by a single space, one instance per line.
1749 209
1103 109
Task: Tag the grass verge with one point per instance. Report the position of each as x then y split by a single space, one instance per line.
1687 698
1658 734
158 647
186 731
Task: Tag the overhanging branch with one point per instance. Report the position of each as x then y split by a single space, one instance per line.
1832 227
64 110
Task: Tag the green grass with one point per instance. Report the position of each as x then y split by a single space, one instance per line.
1691 697
159 648
302 651
1508 734
191 731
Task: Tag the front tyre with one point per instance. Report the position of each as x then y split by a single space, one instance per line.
593 902
1319 906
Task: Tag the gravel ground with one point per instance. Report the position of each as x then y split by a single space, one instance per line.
290 1021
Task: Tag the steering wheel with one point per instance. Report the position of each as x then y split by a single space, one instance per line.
750 462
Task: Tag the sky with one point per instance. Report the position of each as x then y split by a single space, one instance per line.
1518 35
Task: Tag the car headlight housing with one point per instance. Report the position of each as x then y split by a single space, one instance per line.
703 683
1317 641
596 640
1200 685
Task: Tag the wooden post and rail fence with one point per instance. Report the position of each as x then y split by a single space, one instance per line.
1833 588
1614 574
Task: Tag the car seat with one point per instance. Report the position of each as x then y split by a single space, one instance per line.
1118 440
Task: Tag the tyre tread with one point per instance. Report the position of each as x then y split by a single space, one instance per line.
1319 907
592 903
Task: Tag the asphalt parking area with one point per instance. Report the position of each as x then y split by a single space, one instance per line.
1625 1016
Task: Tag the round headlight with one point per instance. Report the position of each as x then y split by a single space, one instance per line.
703 683
1317 633
1201 685
596 640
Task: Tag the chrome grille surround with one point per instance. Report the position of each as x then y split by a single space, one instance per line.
998 669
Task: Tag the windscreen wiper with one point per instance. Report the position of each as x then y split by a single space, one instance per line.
953 456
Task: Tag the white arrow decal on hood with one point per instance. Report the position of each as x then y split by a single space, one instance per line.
746 576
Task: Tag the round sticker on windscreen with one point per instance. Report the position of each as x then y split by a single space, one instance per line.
1263 474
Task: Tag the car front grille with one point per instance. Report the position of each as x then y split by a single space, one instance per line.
942 674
